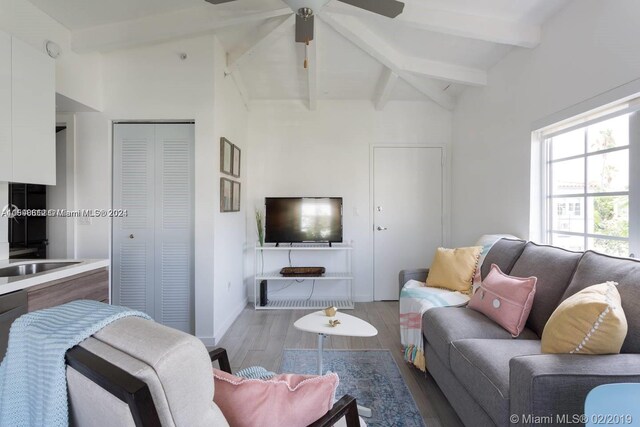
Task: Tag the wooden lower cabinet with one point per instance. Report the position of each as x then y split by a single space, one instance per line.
93 285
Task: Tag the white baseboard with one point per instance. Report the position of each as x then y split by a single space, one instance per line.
217 335
208 341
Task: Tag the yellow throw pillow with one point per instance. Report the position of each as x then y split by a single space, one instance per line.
454 268
588 322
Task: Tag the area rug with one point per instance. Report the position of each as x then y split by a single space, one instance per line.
371 376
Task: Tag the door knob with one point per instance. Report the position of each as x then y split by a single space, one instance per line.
131 236
381 228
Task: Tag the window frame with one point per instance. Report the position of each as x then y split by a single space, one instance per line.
544 139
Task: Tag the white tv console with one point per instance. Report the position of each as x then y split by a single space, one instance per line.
279 303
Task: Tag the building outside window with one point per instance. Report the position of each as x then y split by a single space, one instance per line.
587 191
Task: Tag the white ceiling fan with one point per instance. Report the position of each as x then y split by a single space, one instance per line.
304 10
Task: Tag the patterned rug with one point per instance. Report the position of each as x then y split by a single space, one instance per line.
371 376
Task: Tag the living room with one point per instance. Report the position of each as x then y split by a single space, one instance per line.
471 90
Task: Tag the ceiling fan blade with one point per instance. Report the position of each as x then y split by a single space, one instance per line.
218 1
388 8
304 28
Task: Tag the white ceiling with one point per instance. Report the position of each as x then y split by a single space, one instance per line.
428 46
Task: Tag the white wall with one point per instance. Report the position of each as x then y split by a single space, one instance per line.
231 117
153 83
588 48
4 222
297 152
57 199
78 77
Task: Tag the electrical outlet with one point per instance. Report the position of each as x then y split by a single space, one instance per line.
84 220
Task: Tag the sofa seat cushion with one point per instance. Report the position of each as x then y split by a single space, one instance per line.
482 367
596 268
554 268
443 325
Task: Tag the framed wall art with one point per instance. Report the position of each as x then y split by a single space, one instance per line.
226 195
226 156
235 170
235 197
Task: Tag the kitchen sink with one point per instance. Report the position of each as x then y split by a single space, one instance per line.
36 267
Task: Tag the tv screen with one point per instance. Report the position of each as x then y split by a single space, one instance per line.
303 219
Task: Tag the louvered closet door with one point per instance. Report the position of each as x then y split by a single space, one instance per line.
174 225
133 236
153 245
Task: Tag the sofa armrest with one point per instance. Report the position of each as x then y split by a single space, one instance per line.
419 274
549 384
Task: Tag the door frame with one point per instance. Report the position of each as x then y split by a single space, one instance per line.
446 199
112 125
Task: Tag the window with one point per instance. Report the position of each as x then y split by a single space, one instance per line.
586 196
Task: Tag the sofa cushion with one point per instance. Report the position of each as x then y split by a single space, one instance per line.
504 253
554 268
482 367
442 325
596 268
588 322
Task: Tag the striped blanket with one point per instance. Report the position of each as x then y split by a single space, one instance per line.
33 384
415 299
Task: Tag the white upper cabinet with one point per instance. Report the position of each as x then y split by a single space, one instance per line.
33 115
6 170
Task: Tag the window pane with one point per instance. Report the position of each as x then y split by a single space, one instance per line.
608 215
568 177
568 214
608 134
611 247
568 144
608 172
573 243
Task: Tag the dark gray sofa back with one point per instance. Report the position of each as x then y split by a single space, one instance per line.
554 268
504 253
595 268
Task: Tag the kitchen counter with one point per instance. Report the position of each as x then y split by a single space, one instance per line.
16 283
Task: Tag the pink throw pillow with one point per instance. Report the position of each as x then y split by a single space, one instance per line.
505 299
284 400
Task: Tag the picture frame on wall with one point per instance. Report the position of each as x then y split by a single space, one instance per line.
235 170
226 156
226 195
235 198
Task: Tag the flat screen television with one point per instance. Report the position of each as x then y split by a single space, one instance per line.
303 219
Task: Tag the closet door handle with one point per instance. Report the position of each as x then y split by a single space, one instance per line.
131 236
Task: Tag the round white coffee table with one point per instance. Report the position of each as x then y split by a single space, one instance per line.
350 326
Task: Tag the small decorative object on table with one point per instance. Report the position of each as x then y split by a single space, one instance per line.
330 311
334 322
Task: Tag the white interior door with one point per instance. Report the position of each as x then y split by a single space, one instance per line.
408 209
153 245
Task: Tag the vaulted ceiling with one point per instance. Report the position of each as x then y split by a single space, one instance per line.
433 50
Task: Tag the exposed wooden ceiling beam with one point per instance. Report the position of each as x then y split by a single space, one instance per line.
485 28
312 74
359 33
237 58
356 32
160 28
387 83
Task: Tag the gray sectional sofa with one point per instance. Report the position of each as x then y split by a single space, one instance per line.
492 379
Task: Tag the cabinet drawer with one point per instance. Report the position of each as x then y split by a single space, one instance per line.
93 286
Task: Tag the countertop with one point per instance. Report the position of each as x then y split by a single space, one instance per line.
16 283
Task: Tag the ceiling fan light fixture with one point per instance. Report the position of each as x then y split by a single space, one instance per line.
305 13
